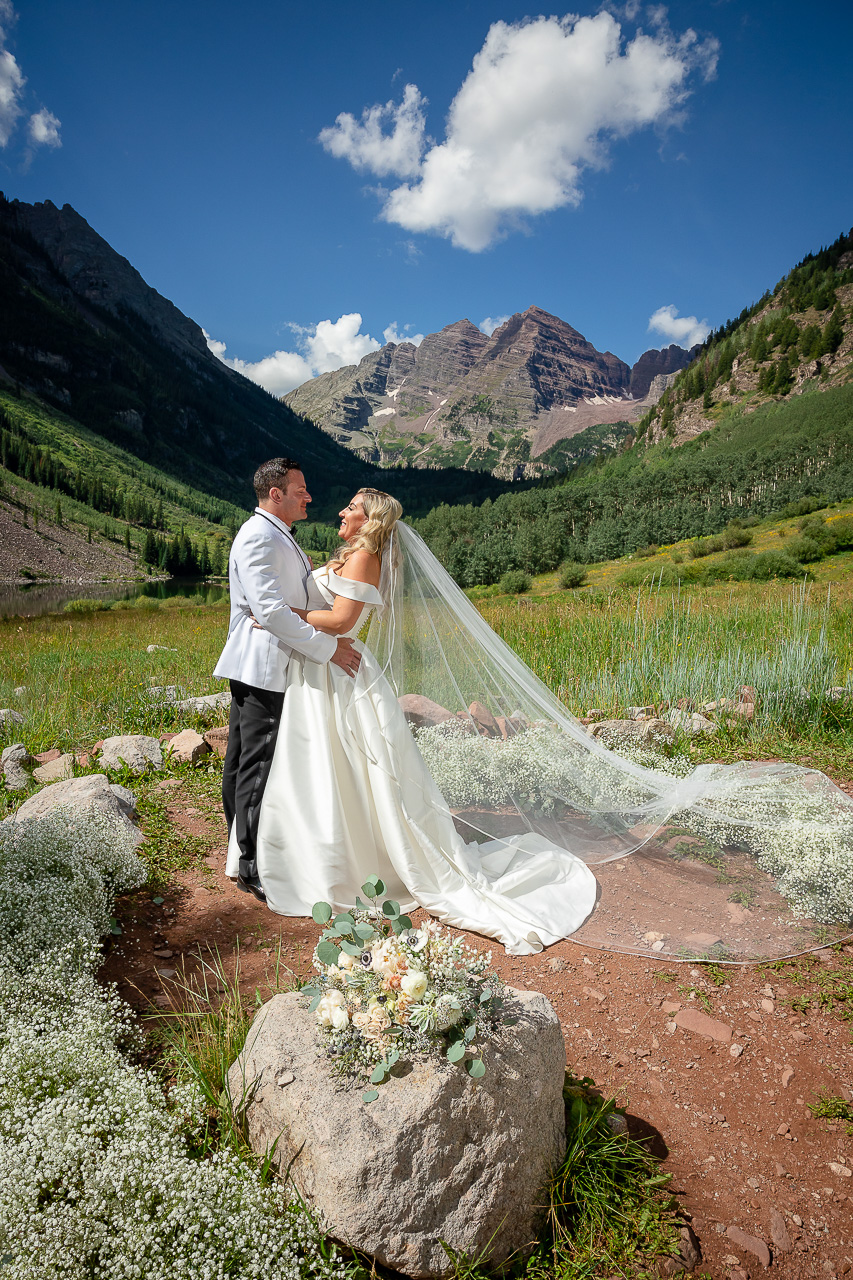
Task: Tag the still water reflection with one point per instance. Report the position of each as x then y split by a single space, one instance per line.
37 599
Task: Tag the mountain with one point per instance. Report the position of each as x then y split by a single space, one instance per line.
497 403
796 340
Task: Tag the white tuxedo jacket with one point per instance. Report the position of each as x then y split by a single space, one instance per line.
267 574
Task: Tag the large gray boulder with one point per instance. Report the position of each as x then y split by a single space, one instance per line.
437 1156
78 793
645 731
135 750
9 718
207 705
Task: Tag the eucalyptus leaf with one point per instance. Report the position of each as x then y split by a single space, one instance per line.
365 932
321 912
344 918
456 1051
350 948
370 1095
378 1074
393 1057
327 952
470 1032
404 922
313 1005
371 889
309 990
476 1068
485 995
391 908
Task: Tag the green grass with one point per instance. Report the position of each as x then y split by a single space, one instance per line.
167 850
818 987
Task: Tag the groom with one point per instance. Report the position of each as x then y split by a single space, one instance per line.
267 574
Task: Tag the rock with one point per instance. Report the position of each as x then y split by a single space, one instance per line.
736 1050
779 1233
701 1024
187 747
8 717
595 714
745 710
748 694
16 753
768 1006
16 778
688 1247
703 941
839 693
135 750
125 797
159 648
168 784
598 996
422 712
691 723
165 693
641 713
671 1006
788 1074
840 1170
556 963
435 1155
21 691
76 793
752 1244
484 720
56 770
217 740
45 757
207 705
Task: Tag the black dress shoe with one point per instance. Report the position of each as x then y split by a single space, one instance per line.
252 886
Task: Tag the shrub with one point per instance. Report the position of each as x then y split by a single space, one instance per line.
704 547
736 536
842 532
514 581
805 549
776 564
571 575
85 606
145 602
803 507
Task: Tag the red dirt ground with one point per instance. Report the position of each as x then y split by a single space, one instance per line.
743 1148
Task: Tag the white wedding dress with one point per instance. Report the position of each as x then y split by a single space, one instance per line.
349 796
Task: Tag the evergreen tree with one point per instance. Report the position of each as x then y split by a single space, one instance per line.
90 533
149 548
127 537
159 520
58 513
833 334
782 381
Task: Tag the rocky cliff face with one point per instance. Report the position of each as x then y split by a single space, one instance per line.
653 363
463 398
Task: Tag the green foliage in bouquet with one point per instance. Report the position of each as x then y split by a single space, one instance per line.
387 989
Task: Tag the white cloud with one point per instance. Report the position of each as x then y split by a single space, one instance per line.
323 347
392 334
367 146
44 129
685 330
542 102
43 126
491 323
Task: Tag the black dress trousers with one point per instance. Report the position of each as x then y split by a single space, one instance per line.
252 732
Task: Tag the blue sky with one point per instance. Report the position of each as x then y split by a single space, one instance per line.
595 172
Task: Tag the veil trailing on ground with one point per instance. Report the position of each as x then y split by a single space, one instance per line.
727 862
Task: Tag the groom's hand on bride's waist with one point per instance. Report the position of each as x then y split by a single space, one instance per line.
345 656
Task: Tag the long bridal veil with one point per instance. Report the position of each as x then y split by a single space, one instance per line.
728 862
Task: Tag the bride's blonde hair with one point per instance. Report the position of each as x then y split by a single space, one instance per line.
382 512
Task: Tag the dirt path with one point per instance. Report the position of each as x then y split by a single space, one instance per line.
728 1109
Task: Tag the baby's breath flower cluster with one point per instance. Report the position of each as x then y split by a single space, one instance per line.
387 990
98 1175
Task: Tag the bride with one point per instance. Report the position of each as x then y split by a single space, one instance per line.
451 772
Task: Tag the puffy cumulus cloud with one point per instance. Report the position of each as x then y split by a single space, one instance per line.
367 145
491 323
44 129
542 102
685 330
322 347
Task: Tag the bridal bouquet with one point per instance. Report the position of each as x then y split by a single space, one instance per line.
387 990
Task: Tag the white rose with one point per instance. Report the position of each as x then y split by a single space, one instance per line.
385 957
344 961
414 984
332 1011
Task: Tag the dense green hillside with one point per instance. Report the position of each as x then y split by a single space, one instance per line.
749 464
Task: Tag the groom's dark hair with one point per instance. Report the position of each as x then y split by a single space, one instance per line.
273 475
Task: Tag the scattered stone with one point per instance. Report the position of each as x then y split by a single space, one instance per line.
659 945
217 740
799 1036
134 750
701 1024
736 1050
556 963
752 1244
787 1076
595 714
691 723
616 1123
671 1028
671 1006
637 730
164 953
703 941
159 648
8 717
17 753
840 1170
779 1233
76 793
56 770
21 691
768 1006
125 797
476 1155
165 973
422 712
16 777
187 747
748 694
168 784
207 705
484 720
165 693
782 1130
598 996
641 713
688 1247
45 757
755 1017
